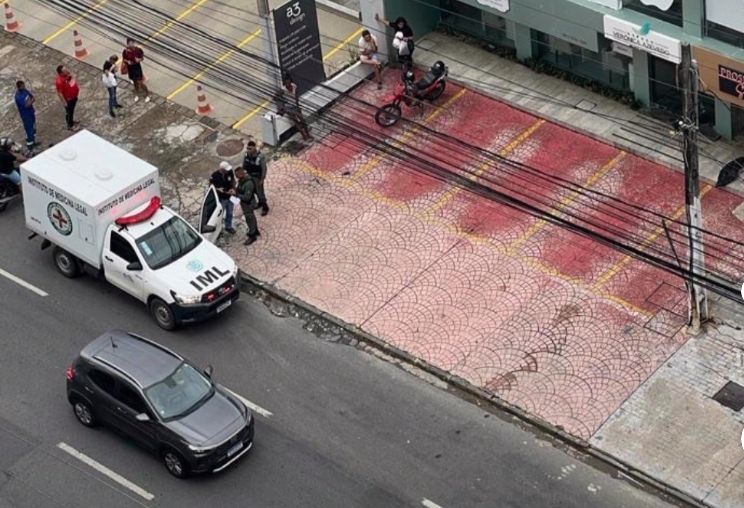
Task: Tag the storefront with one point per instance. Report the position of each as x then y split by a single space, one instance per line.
723 83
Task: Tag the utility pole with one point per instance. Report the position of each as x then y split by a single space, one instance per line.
698 302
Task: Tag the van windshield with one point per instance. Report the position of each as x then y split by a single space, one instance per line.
167 242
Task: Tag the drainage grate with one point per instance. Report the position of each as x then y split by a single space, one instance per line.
731 396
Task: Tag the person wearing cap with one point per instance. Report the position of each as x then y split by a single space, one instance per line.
246 192
223 181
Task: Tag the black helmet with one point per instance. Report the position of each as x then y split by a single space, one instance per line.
438 68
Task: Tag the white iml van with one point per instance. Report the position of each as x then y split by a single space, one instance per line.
99 206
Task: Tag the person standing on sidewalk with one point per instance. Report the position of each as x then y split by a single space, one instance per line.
255 165
68 92
403 40
109 81
132 57
25 103
246 192
289 104
224 183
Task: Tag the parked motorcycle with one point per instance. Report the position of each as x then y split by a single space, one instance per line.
8 192
412 93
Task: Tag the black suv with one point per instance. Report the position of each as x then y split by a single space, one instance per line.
161 400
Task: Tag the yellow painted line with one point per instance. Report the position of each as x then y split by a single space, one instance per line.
178 18
566 202
504 152
74 22
436 221
225 56
341 45
615 269
372 163
265 103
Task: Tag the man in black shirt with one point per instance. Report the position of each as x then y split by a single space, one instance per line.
254 163
8 160
224 182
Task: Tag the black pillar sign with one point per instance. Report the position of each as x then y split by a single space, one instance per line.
298 42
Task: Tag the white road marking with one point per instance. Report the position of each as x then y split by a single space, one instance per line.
429 504
253 407
106 471
23 283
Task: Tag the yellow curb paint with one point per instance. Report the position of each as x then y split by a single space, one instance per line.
343 43
567 201
225 56
74 22
504 152
610 273
178 18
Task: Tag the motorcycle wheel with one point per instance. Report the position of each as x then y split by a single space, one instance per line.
388 115
437 92
5 192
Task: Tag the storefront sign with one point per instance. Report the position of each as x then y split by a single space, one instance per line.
728 13
298 43
659 45
622 49
731 81
612 4
499 5
721 75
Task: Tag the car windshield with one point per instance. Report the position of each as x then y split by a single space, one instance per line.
180 393
167 242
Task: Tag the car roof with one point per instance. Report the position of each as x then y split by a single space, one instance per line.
143 361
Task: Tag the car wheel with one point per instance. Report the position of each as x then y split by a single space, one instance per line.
162 314
84 413
66 263
175 464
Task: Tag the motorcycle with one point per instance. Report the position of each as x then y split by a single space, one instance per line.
8 192
412 93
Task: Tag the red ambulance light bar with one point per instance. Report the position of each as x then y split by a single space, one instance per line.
140 216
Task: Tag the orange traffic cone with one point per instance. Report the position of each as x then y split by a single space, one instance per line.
11 23
80 51
202 106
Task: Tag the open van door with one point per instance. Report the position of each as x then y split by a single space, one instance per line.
211 219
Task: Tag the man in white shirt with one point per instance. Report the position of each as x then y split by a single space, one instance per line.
368 55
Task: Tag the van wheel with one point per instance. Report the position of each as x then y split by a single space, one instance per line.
162 314
175 463
84 413
66 263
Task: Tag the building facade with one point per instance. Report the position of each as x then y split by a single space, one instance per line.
632 46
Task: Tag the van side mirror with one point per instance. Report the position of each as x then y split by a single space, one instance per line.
208 370
142 417
134 266
208 228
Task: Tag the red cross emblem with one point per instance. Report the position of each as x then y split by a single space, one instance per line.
59 218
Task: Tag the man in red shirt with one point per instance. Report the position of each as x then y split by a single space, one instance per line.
68 91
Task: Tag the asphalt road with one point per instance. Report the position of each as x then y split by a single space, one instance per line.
346 429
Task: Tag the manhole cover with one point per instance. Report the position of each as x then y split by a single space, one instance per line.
731 396
230 147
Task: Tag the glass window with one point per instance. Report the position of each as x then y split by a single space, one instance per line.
725 34
121 247
672 15
180 393
168 242
210 204
104 381
131 398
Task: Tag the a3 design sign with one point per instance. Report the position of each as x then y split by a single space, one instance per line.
298 43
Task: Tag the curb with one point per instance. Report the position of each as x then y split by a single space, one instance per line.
330 5
248 282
